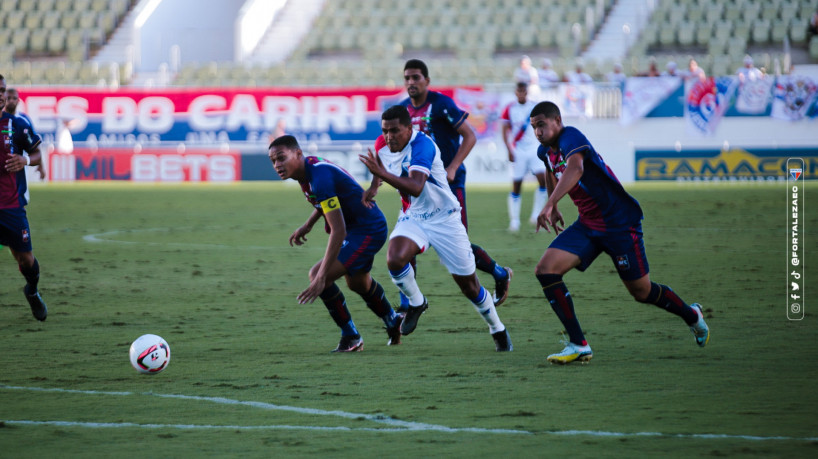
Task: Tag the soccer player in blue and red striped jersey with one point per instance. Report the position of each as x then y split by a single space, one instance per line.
437 116
357 231
19 147
610 221
12 103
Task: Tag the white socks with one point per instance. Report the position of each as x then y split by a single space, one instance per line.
405 281
514 203
485 306
540 198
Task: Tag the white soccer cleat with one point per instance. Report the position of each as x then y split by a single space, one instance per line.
700 329
572 352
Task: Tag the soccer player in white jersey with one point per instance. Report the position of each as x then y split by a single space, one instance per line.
430 217
522 146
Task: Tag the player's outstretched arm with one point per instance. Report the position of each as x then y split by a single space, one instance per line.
550 215
299 235
368 198
322 278
507 140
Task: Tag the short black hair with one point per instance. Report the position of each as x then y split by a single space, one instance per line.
549 109
286 141
522 85
398 112
417 64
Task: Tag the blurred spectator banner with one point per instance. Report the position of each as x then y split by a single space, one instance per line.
723 165
576 100
754 97
644 94
148 165
484 110
793 96
707 101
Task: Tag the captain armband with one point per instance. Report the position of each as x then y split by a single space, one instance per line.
330 204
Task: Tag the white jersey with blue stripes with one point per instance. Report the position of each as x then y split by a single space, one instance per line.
422 154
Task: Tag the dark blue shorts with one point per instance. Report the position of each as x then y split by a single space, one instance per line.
626 248
359 248
14 230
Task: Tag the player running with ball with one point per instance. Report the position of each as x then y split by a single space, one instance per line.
430 217
356 233
610 221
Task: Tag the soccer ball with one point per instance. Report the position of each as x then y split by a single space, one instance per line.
150 354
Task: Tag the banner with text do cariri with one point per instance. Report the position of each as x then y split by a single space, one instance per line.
150 117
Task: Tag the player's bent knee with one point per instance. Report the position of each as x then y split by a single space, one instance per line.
469 285
639 292
395 264
640 295
359 283
24 259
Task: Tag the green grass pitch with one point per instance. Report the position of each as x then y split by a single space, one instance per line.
209 269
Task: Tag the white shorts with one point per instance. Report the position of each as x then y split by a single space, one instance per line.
448 237
525 160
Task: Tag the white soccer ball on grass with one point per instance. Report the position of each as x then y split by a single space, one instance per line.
150 354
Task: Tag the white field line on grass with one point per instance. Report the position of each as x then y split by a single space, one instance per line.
395 425
110 237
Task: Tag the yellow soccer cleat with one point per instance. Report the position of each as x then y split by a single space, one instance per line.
572 352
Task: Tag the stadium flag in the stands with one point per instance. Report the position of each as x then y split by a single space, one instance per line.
643 94
577 100
753 97
483 108
793 95
706 102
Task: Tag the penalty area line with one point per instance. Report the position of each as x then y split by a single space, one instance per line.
599 433
120 425
396 424
393 425
109 238
592 433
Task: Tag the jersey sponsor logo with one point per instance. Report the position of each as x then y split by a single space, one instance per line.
330 204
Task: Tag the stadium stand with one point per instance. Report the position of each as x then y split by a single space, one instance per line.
477 42
719 33
52 40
